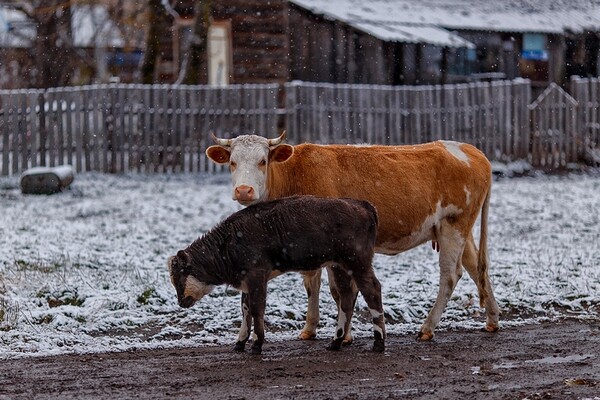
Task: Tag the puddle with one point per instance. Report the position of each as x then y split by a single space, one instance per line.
545 360
561 360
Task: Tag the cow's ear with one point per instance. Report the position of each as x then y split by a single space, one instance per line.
218 154
281 153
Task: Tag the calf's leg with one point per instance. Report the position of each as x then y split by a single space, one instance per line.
244 333
336 296
343 286
370 288
257 302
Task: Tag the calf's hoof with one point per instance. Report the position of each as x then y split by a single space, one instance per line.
491 328
379 346
239 347
255 350
347 341
335 345
305 335
425 336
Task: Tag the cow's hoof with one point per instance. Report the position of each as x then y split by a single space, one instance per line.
379 346
347 341
425 336
304 335
255 350
491 328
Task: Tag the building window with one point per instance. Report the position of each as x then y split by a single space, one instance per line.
219 53
533 63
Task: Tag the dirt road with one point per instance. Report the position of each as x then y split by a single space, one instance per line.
559 360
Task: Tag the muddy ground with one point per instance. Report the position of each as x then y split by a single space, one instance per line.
558 360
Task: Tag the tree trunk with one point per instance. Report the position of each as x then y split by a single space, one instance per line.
53 53
195 67
159 23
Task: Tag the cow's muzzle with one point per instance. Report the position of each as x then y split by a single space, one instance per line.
244 194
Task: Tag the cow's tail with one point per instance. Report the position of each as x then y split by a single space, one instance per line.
482 259
374 220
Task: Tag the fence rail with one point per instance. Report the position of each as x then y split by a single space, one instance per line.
163 128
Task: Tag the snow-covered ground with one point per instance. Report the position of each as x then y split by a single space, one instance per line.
85 270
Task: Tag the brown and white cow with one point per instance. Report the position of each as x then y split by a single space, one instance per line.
427 192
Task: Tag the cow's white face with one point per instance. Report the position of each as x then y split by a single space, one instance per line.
248 157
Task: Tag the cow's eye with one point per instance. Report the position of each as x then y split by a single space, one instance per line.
262 163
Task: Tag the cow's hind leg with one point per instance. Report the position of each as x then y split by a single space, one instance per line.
312 284
451 244
342 284
244 333
469 261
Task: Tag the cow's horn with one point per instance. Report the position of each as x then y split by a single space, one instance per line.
219 141
275 142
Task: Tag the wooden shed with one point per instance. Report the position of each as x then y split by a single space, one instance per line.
278 41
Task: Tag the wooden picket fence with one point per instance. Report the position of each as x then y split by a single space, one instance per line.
492 116
166 128
587 94
121 128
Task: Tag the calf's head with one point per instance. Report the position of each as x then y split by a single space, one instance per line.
189 288
248 157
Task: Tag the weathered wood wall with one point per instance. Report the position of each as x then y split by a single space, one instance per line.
259 39
325 50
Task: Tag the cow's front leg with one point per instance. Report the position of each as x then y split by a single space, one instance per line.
257 302
246 323
312 284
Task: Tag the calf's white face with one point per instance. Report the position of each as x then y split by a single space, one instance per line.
189 289
248 157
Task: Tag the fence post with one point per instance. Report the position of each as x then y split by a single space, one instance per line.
43 128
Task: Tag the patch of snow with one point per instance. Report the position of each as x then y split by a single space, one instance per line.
500 15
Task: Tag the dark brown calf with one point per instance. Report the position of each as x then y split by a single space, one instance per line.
267 239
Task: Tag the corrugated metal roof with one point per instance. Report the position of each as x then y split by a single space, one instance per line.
544 16
405 33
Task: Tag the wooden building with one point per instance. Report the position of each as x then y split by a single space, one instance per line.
404 42
278 41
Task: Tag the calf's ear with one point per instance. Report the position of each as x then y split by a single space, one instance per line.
183 258
281 153
218 154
